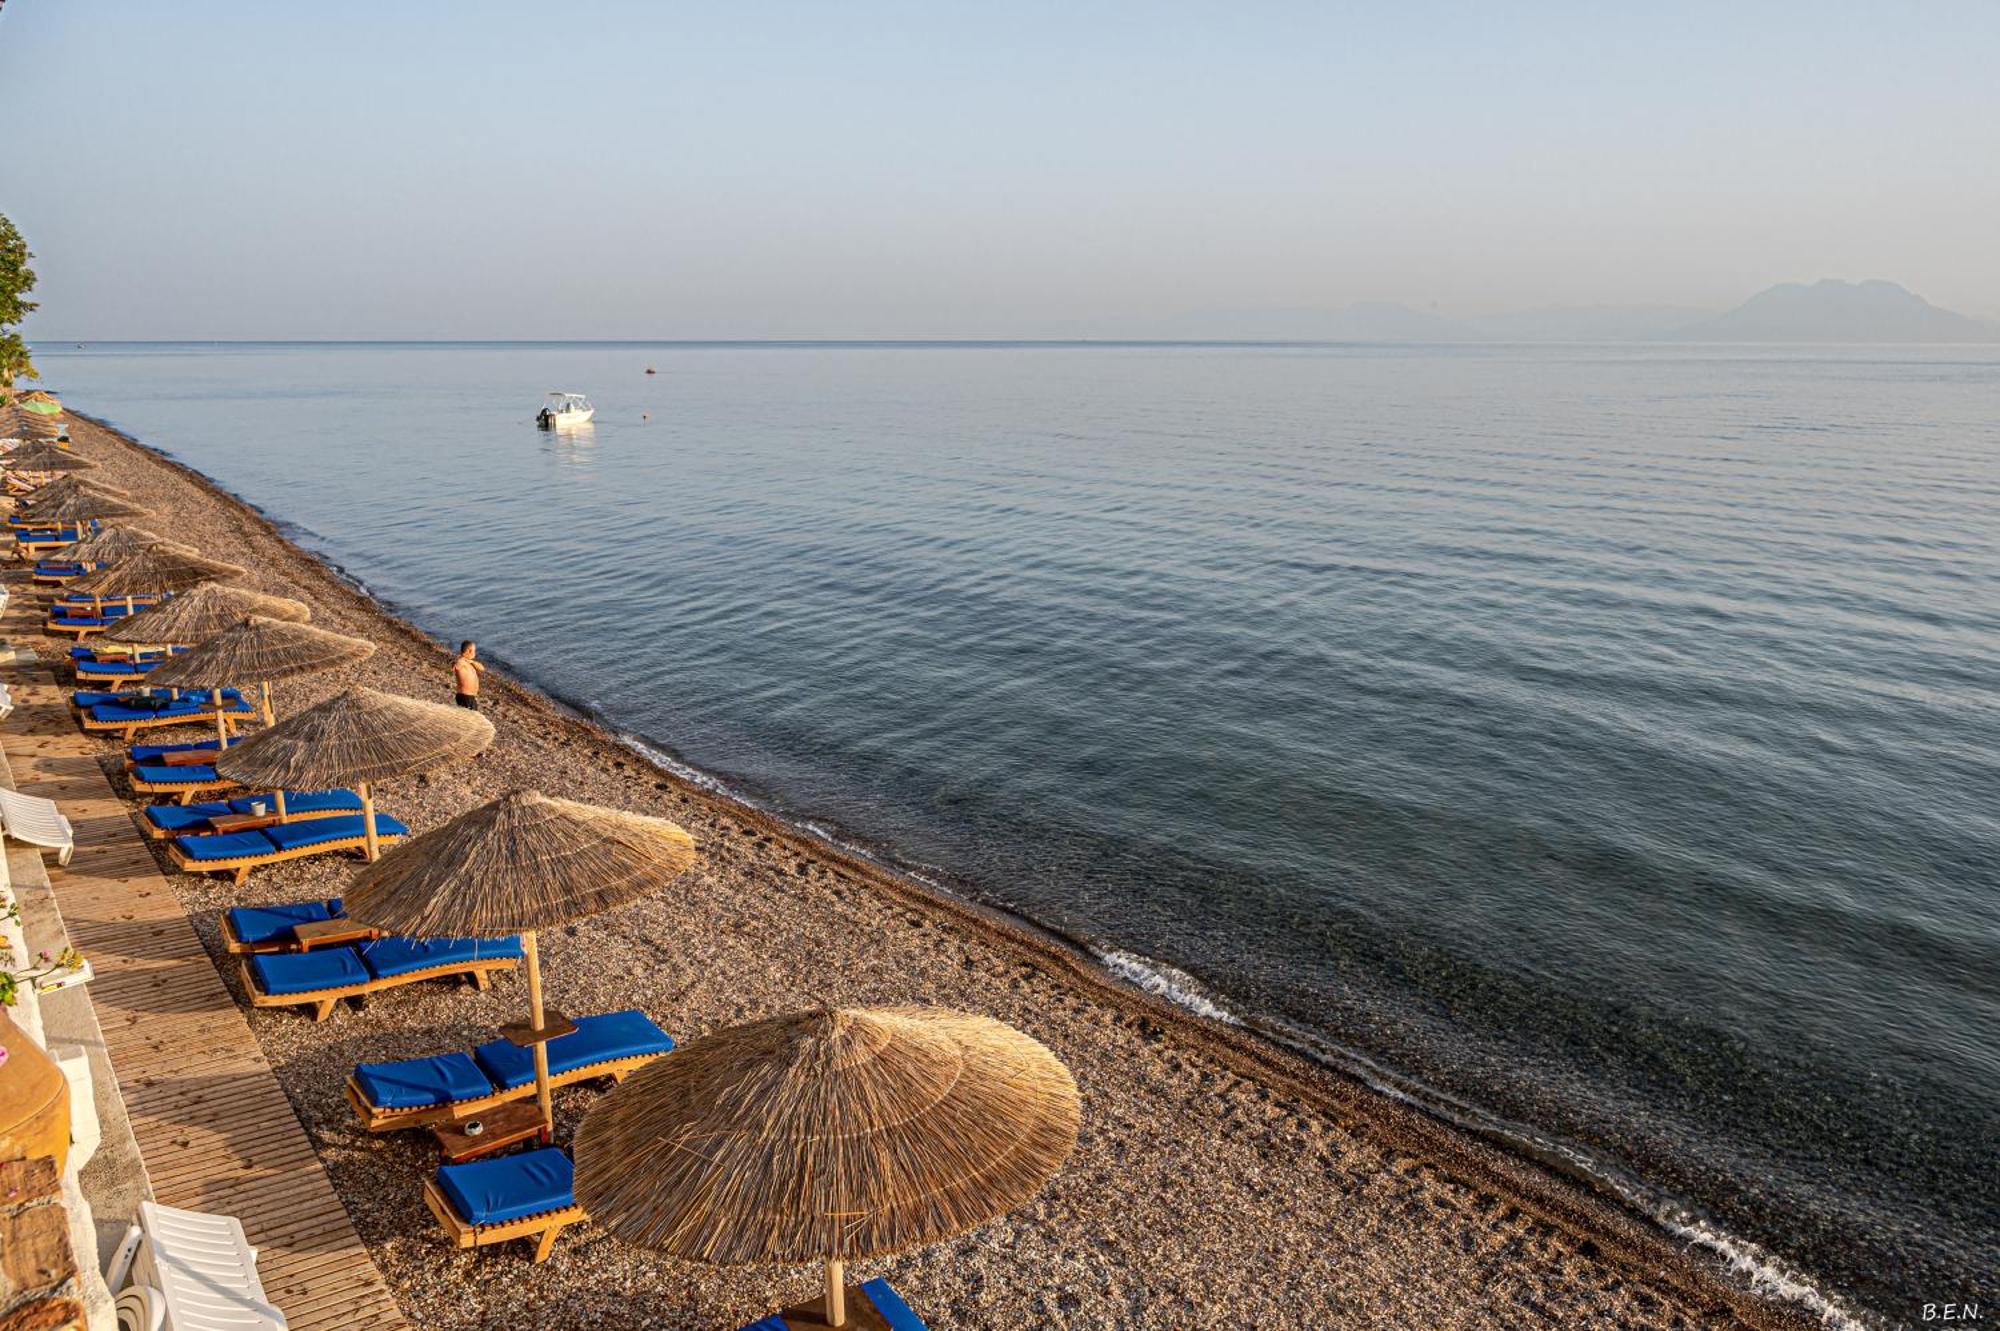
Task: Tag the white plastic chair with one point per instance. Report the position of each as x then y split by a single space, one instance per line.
37 822
193 1272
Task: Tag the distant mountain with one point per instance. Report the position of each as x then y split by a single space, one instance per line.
1834 311
1586 323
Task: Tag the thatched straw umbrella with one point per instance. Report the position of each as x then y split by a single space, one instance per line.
24 424
827 1136
199 614
63 487
258 651
521 863
81 507
358 736
160 568
107 546
41 455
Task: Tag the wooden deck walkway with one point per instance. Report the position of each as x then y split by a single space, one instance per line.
213 1125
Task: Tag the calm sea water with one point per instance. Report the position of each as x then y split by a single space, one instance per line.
1605 741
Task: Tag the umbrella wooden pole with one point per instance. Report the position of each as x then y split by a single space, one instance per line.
368 821
538 1020
836 1293
221 721
269 719
281 804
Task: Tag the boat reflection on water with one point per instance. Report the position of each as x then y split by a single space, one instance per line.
575 445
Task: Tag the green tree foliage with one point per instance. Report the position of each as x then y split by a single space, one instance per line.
16 278
14 362
16 281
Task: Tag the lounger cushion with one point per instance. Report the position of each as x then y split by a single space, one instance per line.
212 847
94 669
305 801
598 1039
178 818
272 924
175 776
398 955
319 831
421 1083
898 1314
492 1192
49 568
305 972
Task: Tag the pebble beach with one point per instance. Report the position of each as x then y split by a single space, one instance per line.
1218 1181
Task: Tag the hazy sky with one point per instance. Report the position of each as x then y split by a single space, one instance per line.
746 169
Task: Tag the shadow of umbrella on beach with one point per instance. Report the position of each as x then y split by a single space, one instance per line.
827 1136
518 864
360 736
160 569
259 650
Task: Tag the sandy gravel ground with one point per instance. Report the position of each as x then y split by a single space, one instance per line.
1216 1183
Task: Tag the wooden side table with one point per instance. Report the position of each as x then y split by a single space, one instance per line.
501 1127
327 933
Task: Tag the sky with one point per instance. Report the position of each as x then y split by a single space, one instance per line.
209 169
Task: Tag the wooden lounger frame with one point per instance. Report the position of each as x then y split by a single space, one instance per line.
547 1224
146 824
53 626
375 1119
183 794
322 1000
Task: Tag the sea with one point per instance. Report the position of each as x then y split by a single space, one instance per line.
1599 746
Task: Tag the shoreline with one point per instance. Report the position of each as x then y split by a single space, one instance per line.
1588 1230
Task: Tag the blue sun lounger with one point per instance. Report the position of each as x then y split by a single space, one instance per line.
415 1092
75 603
113 669
150 699
880 1295
240 852
150 775
56 570
186 781
30 535
132 714
165 820
531 1195
271 928
321 978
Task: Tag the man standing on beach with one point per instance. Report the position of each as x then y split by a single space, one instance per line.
465 673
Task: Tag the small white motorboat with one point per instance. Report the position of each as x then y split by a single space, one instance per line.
564 409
